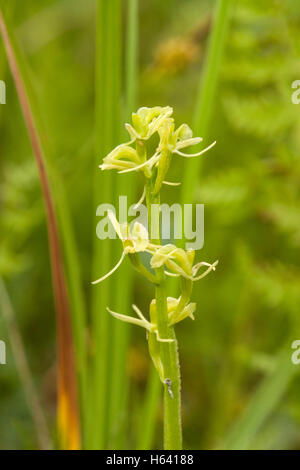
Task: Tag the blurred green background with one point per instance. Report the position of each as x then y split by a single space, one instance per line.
239 389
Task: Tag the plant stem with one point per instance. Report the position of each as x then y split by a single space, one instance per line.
168 351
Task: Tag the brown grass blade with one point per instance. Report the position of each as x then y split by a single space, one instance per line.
68 420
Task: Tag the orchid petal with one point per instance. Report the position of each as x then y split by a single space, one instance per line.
128 319
152 160
212 267
112 271
141 200
170 183
189 155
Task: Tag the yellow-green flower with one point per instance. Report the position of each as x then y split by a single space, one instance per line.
125 158
121 158
134 240
175 316
172 141
147 121
180 262
141 321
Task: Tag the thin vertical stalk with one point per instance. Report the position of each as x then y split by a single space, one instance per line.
32 398
131 56
168 351
123 283
68 418
106 130
207 93
100 295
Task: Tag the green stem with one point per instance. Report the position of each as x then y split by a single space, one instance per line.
168 351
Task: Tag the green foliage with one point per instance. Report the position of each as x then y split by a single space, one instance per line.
238 390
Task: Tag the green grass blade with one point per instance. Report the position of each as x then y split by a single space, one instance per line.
149 411
207 93
107 128
131 57
60 211
126 186
262 404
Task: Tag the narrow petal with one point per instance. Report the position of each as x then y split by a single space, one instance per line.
171 274
141 200
132 132
212 267
189 155
127 319
115 224
139 313
188 142
151 160
112 271
170 183
116 165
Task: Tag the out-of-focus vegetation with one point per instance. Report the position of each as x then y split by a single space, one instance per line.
239 388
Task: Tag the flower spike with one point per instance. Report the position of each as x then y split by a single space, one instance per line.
149 126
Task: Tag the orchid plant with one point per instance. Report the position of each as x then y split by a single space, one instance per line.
165 260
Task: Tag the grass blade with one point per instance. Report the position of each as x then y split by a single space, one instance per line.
67 386
207 93
119 380
23 368
107 127
149 412
263 402
131 57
